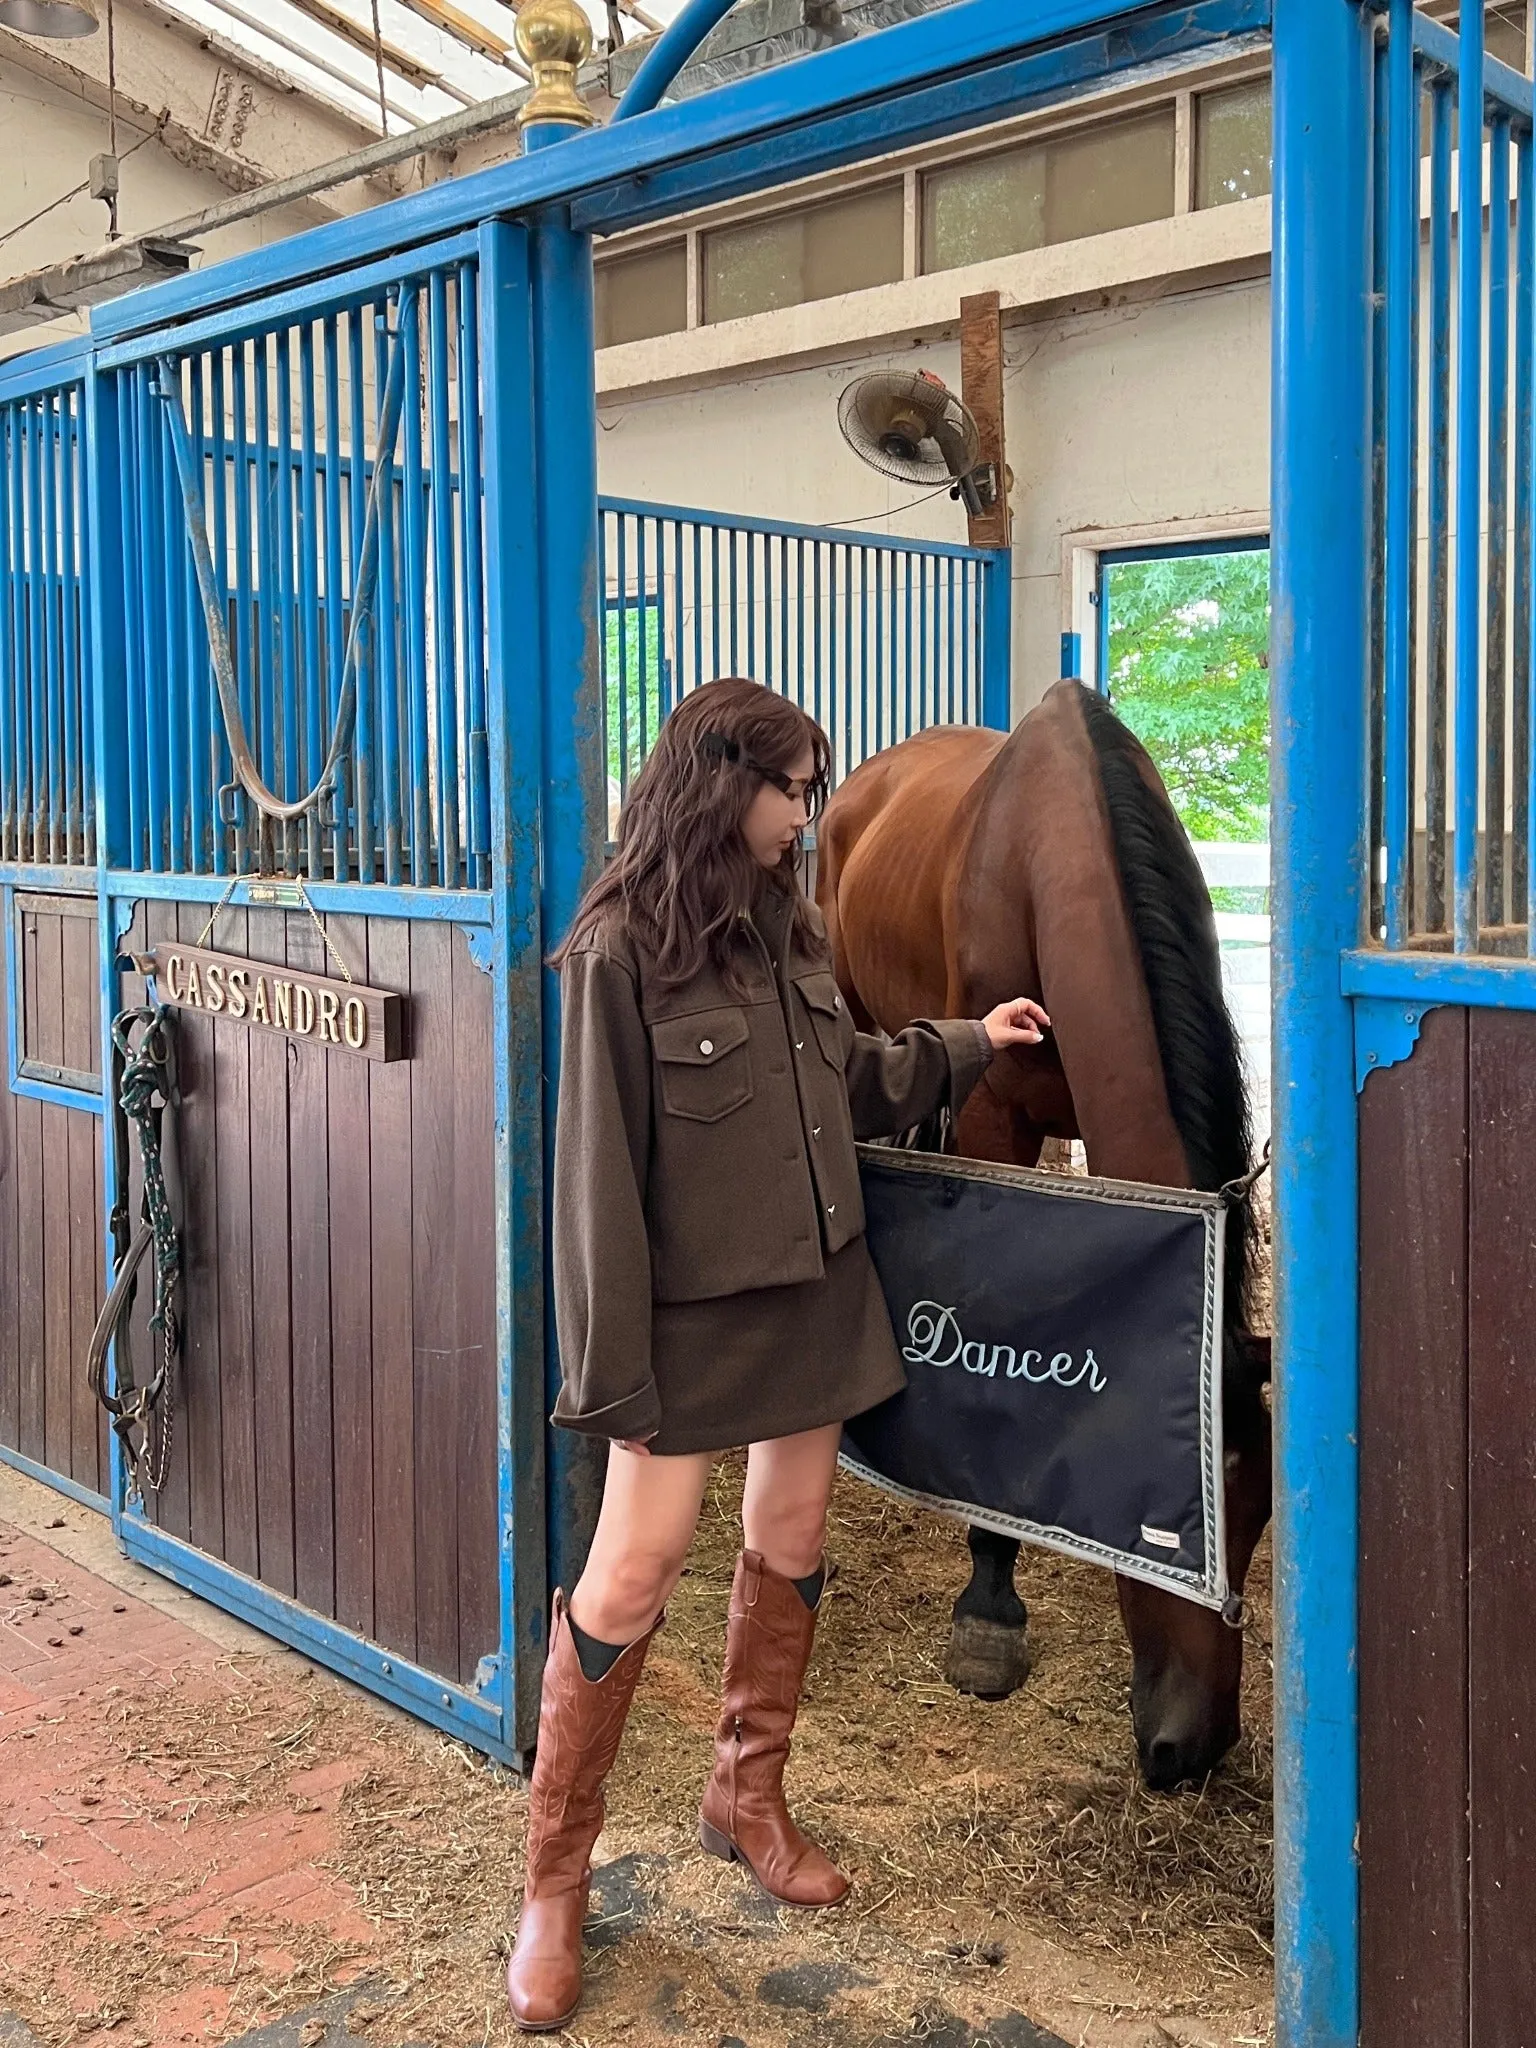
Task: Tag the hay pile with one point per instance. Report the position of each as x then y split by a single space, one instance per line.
973 1829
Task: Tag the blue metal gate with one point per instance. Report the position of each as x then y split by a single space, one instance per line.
474 800
1406 1062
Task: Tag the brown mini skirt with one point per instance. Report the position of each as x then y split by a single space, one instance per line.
775 1361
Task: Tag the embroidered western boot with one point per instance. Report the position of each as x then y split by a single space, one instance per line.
580 1724
744 1818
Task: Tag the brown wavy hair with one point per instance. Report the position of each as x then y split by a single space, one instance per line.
682 874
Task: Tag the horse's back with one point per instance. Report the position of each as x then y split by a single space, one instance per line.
889 849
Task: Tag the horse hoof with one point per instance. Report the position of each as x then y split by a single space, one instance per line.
986 1658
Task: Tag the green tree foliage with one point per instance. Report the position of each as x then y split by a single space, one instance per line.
1189 674
632 671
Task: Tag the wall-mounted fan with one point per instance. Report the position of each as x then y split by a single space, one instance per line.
909 425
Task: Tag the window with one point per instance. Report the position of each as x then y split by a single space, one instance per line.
1233 158
1184 656
52 979
1059 190
789 259
643 295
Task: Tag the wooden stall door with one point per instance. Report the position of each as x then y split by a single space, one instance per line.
339 1367
1448 1537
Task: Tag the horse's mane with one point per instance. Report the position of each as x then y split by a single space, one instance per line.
1175 927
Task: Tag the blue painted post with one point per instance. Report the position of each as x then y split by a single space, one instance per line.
284 693
574 814
997 640
1469 477
515 740
100 466
311 739
335 635
11 640
414 587
448 692
1321 537
1401 450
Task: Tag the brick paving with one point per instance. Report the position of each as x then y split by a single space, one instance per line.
73 1818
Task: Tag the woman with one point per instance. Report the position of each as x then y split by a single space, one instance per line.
712 1285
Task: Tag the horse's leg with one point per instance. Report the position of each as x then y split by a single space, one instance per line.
988 1639
988 1128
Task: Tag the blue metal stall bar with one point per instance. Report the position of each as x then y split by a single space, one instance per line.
47 746
292 588
875 636
1321 550
1451 722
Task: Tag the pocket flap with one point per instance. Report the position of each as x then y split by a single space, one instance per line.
699 1040
821 993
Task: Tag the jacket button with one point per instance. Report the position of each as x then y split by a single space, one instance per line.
799 1045
706 1046
816 1132
837 1002
831 1208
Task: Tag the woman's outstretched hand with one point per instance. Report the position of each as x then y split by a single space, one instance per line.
1020 1022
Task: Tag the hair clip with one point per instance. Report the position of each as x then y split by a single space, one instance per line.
719 748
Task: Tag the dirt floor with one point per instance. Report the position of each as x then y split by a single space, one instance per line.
1014 1884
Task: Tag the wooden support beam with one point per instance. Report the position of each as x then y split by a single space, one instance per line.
981 387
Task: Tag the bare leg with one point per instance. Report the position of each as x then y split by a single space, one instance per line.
784 1508
649 1512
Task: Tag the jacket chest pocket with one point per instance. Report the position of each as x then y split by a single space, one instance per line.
829 1017
705 1064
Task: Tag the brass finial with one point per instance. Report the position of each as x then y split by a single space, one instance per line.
554 39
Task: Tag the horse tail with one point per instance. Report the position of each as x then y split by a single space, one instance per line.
1175 927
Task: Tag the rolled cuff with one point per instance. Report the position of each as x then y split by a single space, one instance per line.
970 1054
638 1415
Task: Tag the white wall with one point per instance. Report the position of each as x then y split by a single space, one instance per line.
1145 413
47 139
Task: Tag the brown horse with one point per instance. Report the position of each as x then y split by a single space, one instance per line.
963 867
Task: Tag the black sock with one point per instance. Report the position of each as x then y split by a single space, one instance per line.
597 1659
809 1588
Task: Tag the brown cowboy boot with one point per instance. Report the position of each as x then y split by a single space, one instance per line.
744 1818
580 1724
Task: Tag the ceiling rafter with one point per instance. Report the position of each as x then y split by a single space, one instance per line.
411 69
413 46
475 34
439 56
311 58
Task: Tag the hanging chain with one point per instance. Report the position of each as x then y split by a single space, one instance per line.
325 938
145 1090
314 917
203 935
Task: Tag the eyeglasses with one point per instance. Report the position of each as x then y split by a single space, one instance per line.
812 794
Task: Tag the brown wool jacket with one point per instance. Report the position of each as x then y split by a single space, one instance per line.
704 1145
